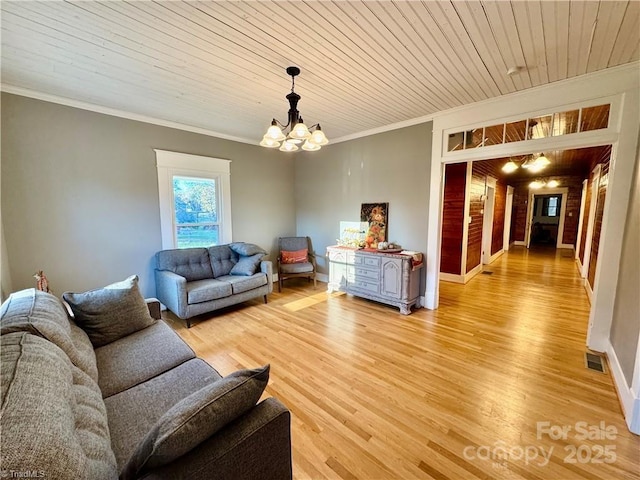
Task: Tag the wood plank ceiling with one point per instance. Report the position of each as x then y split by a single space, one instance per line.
365 64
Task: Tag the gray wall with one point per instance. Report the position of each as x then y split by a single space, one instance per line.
625 326
80 193
330 186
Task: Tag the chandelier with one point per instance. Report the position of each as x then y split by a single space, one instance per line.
298 133
533 164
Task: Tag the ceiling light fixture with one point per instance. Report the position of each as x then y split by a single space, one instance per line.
313 137
533 164
536 184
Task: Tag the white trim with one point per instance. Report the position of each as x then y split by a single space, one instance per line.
595 185
322 277
450 277
519 243
589 291
508 210
628 397
170 164
473 272
383 129
583 201
487 219
496 256
24 92
579 266
466 218
567 246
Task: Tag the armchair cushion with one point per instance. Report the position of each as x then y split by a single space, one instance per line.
110 313
298 256
247 266
197 417
303 267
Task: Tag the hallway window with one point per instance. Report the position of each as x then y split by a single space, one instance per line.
550 207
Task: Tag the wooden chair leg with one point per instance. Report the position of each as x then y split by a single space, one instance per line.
279 283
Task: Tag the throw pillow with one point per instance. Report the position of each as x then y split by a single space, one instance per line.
247 266
110 313
246 249
197 417
297 256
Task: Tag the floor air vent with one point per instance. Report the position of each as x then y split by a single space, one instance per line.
594 362
487 272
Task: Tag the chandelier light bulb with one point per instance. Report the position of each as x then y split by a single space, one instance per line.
542 160
309 146
300 131
269 142
288 147
318 137
510 167
553 183
274 132
536 184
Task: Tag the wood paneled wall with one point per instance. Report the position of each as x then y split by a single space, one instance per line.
474 242
453 218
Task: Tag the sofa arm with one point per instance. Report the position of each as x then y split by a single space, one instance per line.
171 290
153 304
267 267
256 445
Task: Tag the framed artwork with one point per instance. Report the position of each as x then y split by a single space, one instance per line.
375 215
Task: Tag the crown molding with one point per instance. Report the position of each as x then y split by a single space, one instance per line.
24 92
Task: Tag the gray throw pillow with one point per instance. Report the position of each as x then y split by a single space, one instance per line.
197 417
247 266
110 313
246 249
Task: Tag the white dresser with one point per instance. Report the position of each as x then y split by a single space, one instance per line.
385 277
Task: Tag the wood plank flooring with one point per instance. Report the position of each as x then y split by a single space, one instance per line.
378 395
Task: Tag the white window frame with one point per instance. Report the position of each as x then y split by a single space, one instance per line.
176 164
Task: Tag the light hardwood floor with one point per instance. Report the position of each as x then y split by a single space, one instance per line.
378 395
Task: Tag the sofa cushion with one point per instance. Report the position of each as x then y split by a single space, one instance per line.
140 356
196 418
53 418
246 249
190 263
207 290
241 284
110 313
42 314
305 267
247 266
222 259
133 412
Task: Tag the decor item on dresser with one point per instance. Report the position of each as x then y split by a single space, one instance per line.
105 390
387 277
375 215
295 259
192 281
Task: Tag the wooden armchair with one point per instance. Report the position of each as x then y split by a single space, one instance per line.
295 259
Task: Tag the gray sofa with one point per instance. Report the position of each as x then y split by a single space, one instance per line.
192 281
71 409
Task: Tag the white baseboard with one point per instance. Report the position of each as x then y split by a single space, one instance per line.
450 277
628 399
472 273
495 256
579 265
566 245
587 287
521 243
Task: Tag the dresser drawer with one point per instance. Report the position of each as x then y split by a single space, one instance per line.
364 286
367 274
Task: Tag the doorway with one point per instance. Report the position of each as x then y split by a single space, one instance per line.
546 217
487 219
